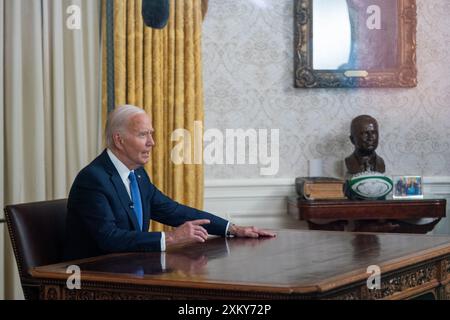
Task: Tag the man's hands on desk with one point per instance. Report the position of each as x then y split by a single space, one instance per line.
192 231
249 232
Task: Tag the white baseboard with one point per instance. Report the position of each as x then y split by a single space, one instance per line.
263 202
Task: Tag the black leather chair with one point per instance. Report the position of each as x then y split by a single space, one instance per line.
37 234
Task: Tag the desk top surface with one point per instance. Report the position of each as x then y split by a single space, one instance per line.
294 261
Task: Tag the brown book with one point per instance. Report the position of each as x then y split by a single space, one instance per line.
316 188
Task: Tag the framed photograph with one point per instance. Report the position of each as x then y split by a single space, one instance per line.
408 187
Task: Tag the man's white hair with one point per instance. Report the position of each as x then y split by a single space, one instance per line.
118 120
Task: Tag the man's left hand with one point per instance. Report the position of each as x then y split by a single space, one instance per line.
249 232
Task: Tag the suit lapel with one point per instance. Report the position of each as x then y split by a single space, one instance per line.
122 193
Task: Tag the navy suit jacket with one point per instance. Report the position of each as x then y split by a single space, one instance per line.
100 219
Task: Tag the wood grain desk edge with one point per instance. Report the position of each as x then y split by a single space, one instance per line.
54 272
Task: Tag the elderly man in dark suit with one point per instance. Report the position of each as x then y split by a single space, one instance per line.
112 200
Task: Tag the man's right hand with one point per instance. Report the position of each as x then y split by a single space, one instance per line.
188 232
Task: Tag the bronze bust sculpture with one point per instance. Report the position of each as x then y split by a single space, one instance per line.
364 136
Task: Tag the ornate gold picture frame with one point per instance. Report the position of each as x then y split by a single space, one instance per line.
399 71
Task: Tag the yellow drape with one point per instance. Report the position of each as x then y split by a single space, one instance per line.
161 71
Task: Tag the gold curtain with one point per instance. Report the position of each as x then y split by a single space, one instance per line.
161 71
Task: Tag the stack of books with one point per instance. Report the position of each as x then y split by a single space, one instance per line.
320 188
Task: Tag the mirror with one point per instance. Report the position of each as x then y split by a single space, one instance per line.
355 43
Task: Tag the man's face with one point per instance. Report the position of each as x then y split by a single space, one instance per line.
365 137
137 142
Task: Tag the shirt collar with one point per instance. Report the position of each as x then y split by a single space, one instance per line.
122 169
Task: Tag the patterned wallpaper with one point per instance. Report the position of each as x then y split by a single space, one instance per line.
248 77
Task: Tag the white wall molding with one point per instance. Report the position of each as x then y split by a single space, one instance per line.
248 188
263 202
259 202
438 186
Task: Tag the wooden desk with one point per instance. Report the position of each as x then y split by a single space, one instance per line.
294 265
367 213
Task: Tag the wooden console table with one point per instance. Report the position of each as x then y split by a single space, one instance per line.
372 216
294 265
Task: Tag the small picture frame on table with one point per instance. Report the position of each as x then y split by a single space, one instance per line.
408 187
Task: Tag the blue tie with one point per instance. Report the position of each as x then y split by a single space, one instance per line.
136 198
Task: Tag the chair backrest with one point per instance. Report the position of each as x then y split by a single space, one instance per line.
37 235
